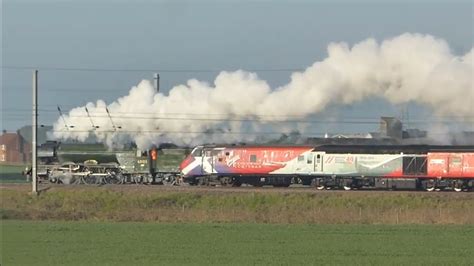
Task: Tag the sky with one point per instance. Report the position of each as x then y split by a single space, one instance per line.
89 50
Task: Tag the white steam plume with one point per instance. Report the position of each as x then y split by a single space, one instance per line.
409 67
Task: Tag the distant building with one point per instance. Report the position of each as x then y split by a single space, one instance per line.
391 127
414 133
391 132
14 149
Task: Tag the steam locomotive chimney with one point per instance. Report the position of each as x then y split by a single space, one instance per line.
156 79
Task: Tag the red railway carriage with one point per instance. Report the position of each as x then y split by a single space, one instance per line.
450 164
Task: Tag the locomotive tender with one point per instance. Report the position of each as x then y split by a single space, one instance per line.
333 166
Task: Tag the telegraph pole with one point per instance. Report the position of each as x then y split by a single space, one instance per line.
34 137
156 79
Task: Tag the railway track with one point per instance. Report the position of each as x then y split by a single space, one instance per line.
218 189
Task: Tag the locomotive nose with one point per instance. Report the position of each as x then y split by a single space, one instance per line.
184 164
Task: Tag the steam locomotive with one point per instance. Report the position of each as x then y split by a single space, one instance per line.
95 164
345 167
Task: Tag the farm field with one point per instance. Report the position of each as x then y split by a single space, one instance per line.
12 173
99 243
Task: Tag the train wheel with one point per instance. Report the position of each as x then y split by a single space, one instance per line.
226 181
111 177
203 181
137 179
89 180
149 180
457 186
318 183
430 185
112 180
169 182
236 184
347 184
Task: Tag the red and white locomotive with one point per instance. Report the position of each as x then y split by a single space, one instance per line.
333 166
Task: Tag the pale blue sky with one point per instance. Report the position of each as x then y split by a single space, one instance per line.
195 35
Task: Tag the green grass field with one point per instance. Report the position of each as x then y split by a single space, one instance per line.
12 174
94 243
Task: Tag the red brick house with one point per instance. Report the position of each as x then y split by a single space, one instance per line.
14 148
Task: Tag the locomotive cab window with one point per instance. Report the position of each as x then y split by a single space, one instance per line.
197 151
253 158
300 158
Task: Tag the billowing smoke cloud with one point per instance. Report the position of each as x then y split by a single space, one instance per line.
407 68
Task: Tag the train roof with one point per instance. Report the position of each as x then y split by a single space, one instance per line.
415 149
359 148
245 146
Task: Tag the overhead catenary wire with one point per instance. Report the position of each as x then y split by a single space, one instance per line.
258 119
118 114
164 70
232 118
220 132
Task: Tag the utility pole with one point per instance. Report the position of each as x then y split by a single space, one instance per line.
34 137
156 79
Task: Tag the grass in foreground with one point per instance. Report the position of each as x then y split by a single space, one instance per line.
140 204
80 243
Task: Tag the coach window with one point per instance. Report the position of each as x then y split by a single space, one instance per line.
253 158
309 159
456 160
318 158
301 158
